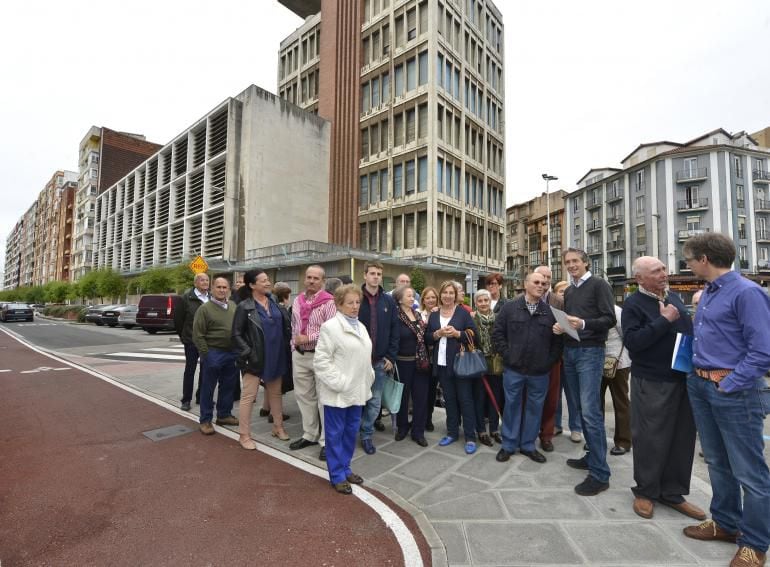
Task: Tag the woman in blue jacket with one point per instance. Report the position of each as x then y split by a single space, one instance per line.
446 332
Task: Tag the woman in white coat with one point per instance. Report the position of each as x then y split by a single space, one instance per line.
343 368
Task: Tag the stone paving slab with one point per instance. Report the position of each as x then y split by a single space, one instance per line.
505 543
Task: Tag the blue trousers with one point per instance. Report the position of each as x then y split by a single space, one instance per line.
572 413
218 368
583 368
460 401
188 381
521 433
730 428
340 426
416 383
373 405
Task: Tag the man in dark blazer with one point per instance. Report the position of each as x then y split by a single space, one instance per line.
184 314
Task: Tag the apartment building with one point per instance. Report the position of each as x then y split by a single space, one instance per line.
27 246
663 193
104 156
527 231
12 271
250 173
415 95
64 231
46 226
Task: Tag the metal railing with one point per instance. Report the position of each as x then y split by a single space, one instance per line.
616 244
761 176
692 204
684 234
690 174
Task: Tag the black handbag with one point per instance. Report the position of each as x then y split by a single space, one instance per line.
470 362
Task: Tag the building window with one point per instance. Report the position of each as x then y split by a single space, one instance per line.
640 180
738 166
693 223
397 181
740 198
423 67
639 206
409 185
422 174
364 191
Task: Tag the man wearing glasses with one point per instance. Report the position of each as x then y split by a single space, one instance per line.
523 334
730 398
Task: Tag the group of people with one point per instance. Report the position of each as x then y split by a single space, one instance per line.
342 347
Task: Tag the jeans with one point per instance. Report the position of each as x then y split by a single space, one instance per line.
190 364
573 415
218 368
341 428
583 372
459 400
730 428
372 408
521 433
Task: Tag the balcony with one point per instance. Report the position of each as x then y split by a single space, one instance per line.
692 205
685 234
763 235
594 249
760 176
613 196
593 225
762 206
690 175
740 203
616 272
618 244
614 221
763 267
593 203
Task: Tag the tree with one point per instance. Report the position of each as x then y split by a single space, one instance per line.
183 277
89 285
56 291
155 280
110 284
73 293
34 294
418 279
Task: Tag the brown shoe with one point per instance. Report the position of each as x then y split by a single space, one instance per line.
227 420
643 507
687 509
353 478
343 487
709 531
748 557
206 428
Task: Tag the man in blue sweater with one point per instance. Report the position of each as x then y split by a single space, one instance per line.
662 425
590 308
379 315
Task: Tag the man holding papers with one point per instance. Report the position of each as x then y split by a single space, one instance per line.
730 398
590 309
662 425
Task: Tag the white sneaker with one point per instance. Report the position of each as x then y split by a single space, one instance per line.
385 412
576 437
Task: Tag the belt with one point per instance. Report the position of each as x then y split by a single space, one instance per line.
304 350
407 358
715 375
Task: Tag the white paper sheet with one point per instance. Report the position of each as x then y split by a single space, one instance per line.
561 319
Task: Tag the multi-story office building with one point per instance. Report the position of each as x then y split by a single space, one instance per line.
527 230
666 192
46 242
251 173
415 93
104 157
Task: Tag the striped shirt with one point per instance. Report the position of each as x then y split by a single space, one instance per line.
318 317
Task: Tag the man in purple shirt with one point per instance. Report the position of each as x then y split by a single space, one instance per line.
730 398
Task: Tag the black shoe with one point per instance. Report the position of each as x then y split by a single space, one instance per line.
197 401
322 454
619 450
263 412
270 418
497 437
185 406
535 455
301 443
400 436
421 442
591 487
581 463
429 426
547 446
378 425
502 456
485 439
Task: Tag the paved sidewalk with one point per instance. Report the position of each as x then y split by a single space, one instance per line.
475 511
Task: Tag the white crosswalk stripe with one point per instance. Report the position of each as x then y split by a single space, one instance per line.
170 353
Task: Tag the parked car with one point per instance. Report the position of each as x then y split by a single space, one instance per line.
127 317
16 312
110 317
156 312
95 313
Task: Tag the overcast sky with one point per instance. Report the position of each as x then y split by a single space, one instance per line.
586 82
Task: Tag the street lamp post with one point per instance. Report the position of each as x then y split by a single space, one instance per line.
548 178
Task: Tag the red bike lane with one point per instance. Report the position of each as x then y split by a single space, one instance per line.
81 485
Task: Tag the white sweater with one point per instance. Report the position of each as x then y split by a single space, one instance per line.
343 364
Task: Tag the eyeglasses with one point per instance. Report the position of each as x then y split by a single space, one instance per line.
539 283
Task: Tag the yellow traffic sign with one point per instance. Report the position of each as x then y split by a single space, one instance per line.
199 265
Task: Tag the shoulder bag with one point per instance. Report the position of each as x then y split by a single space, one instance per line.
392 391
470 362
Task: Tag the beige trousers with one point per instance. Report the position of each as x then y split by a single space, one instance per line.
249 395
307 397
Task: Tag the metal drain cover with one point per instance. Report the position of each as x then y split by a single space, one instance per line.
167 432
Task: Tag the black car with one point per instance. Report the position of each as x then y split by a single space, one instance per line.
95 313
17 312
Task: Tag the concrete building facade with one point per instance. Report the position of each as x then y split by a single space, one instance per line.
252 172
527 237
666 192
104 156
12 273
46 226
27 246
424 124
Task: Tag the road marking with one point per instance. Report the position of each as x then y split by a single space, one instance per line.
143 355
6 370
404 537
165 349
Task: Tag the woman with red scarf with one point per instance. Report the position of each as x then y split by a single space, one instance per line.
413 368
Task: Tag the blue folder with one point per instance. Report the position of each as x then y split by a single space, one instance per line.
682 358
